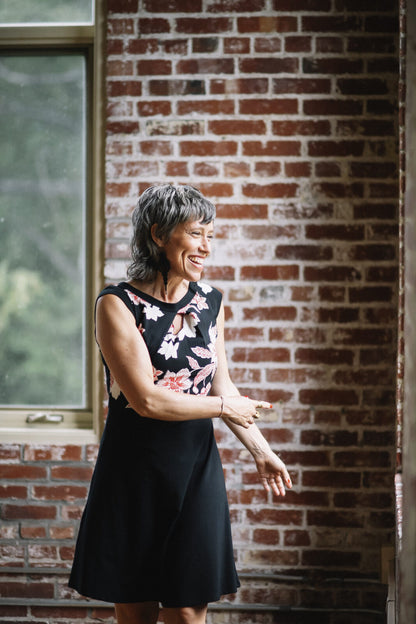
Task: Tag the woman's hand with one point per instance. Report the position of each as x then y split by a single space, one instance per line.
273 473
241 410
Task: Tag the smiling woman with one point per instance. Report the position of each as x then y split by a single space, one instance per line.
156 526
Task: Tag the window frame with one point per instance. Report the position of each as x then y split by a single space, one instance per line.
79 425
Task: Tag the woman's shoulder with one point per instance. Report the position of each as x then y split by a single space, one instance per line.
123 292
209 293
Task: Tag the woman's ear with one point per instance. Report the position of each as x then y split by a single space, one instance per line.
156 239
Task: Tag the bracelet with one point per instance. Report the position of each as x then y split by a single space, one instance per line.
222 406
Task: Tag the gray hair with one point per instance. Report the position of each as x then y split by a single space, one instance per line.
167 206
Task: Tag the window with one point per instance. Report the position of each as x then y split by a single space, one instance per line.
50 200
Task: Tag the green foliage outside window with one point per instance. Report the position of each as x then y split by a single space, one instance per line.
42 229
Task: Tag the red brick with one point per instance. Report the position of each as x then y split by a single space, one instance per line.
331 479
242 211
272 148
33 532
239 126
260 232
270 190
370 293
329 44
202 25
267 169
236 45
297 538
331 558
122 6
176 87
172 6
149 26
335 519
232 86
328 396
155 148
305 127
205 66
335 232
275 106
123 88
266 24
236 169
270 313
266 536
364 458
332 65
316 437
28 512
119 68
332 107
333 273
59 492
298 334
53 452
177 169
298 170
72 473
323 356
260 354
362 86
267 272
206 107
208 148
268 65
219 273
32 589
327 169
12 491
216 189
153 67
205 45
122 27
302 85
142 46
205 169
23 471
268 45
274 516
298 44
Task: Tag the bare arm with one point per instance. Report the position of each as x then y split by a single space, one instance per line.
128 359
272 471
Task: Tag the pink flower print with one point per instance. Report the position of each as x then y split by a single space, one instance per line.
179 382
200 302
134 298
204 373
114 388
201 352
156 373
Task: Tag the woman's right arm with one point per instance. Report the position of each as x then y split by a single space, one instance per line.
128 359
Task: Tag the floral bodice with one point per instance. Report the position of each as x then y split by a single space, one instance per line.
185 361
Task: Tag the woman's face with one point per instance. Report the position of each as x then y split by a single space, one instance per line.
187 249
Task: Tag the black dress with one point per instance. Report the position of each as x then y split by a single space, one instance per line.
156 524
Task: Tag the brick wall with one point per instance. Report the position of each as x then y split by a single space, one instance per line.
283 112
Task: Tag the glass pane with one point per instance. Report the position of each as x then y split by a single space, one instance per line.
46 11
42 229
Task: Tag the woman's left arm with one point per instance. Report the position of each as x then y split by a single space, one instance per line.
272 471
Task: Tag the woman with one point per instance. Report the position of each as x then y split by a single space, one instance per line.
156 526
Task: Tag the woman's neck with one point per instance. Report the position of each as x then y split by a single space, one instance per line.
175 291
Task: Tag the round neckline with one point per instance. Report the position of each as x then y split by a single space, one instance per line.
165 304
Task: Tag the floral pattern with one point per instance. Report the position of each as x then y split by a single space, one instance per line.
184 361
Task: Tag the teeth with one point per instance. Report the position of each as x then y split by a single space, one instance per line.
196 260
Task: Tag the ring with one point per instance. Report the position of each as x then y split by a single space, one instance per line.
256 415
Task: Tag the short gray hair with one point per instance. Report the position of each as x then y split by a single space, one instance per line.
165 205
